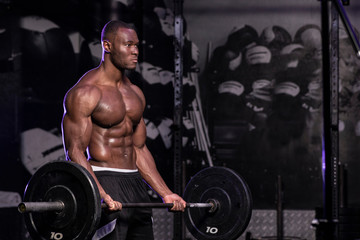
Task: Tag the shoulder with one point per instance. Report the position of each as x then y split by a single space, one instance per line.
83 91
82 95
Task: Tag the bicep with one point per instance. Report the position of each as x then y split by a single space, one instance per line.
76 123
76 132
144 160
139 136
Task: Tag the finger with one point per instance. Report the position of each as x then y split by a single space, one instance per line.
118 206
182 206
111 205
174 208
115 206
177 206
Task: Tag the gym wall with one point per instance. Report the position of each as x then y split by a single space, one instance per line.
253 67
260 77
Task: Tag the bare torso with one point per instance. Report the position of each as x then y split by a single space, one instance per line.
103 116
116 115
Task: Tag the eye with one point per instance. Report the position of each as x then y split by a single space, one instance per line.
131 45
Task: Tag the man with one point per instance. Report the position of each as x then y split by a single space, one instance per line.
103 117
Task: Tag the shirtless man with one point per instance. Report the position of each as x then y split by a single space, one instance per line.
104 131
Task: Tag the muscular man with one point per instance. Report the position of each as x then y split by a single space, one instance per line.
104 131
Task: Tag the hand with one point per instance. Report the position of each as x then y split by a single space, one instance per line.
111 204
179 203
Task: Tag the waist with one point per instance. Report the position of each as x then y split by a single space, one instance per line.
109 169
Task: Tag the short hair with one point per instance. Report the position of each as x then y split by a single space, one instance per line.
112 26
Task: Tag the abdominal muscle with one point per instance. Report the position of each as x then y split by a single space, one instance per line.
112 147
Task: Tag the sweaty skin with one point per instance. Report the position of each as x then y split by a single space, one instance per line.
103 117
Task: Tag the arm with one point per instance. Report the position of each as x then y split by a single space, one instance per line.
79 103
147 167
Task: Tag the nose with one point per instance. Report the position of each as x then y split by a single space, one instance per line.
135 50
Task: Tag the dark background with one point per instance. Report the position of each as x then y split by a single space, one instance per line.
263 133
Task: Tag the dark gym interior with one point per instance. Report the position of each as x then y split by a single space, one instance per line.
269 89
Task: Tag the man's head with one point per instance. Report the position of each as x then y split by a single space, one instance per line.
120 44
110 29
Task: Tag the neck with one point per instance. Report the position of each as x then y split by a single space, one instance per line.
112 73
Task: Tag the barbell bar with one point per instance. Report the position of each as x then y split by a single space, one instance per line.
62 199
59 206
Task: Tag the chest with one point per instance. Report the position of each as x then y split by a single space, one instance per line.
117 104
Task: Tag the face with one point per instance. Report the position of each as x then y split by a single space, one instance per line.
123 49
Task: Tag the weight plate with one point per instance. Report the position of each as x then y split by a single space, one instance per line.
72 184
234 207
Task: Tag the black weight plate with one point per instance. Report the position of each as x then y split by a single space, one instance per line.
234 209
65 217
71 183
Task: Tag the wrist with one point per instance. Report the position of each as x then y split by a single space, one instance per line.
168 195
103 194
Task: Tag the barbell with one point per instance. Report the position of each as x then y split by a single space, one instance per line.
62 201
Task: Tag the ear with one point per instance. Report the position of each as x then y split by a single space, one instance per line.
106 46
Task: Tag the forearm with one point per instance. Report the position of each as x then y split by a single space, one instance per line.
79 157
147 167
